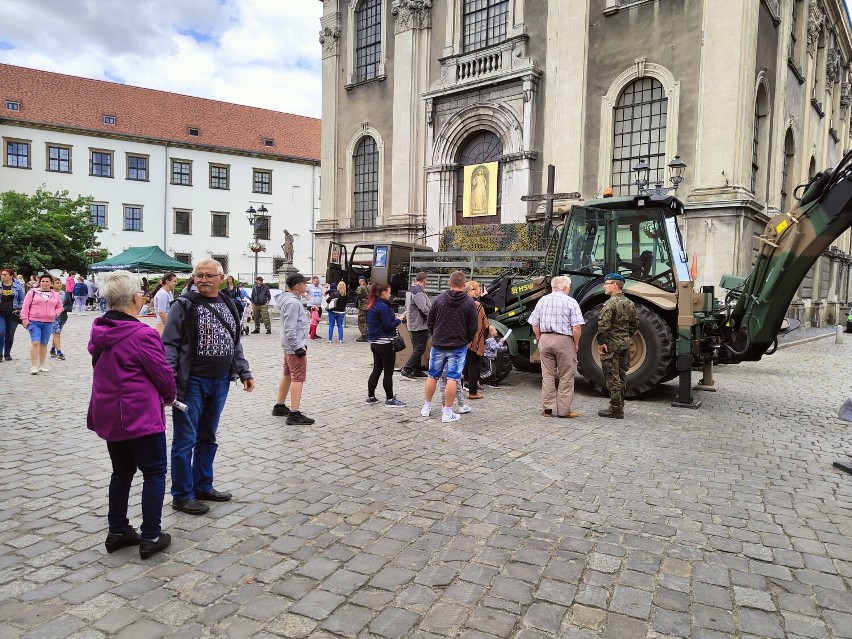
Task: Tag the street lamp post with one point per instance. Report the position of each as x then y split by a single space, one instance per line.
253 219
677 167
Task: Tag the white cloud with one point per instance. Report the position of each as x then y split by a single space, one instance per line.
262 53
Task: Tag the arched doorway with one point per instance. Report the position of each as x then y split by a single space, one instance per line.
482 147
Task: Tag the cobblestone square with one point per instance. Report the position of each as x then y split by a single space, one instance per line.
727 521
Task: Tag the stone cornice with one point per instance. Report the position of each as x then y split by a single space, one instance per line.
412 14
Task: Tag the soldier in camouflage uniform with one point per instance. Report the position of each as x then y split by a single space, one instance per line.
617 323
362 293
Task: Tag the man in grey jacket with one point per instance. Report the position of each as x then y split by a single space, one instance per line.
294 341
417 306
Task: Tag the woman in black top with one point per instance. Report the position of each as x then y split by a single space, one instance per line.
381 331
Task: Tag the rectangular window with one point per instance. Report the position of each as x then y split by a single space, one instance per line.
109 119
219 224
183 222
132 218
182 172
223 260
59 158
368 40
186 258
137 167
219 176
262 181
485 23
12 105
98 214
101 163
18 154
262 224
194 132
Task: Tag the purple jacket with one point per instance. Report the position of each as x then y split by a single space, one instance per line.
132 380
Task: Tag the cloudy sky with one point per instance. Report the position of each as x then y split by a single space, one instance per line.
262 53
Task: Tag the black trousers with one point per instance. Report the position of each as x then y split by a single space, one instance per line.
383 361
472 371
418 347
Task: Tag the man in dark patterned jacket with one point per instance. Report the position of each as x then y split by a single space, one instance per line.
617 323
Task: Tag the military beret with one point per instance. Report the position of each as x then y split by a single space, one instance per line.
618 277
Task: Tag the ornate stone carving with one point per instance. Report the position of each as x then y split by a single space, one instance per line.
329 35
816 17
845 95
832 67
412 14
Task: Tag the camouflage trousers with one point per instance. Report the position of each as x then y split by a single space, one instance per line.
615 365
362 323
261 314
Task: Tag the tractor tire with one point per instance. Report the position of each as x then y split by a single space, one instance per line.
522 363
502 366
652 360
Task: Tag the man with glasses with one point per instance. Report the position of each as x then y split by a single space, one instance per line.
557 323
202 341
618 322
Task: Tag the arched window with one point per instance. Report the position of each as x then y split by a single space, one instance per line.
485 22
786 186
481 147
368 40
365 163
759 143
640 132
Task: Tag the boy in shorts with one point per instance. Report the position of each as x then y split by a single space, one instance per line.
59 322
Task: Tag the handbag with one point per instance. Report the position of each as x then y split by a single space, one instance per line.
398 343
16 315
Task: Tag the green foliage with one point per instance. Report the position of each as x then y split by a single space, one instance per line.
45 231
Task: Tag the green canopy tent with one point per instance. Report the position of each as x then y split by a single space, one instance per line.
148 259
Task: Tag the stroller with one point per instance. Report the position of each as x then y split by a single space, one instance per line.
245 327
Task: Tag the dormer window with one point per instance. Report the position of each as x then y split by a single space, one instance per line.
12 105
193 131
268 142
109 119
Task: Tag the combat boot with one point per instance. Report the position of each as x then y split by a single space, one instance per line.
613 412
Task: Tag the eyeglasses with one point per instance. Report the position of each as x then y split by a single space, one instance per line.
207 276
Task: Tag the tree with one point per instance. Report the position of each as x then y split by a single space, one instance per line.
45 231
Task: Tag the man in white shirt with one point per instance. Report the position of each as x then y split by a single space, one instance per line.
163 300
557 323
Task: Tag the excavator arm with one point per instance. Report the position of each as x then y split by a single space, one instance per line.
791 244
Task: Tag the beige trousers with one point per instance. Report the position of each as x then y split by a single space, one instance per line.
558 361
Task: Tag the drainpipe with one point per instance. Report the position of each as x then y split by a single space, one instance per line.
313 216
166 202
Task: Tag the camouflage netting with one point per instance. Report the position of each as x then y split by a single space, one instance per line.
492 237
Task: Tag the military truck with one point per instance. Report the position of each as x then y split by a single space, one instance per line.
680 329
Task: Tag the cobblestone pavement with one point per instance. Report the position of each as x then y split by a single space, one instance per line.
375 522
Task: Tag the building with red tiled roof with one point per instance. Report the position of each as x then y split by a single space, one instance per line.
163 168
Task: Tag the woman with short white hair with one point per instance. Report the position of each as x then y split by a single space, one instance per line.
131 386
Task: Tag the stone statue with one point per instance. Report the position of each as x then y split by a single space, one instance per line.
287 247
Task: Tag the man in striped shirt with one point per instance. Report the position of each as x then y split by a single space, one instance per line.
557 323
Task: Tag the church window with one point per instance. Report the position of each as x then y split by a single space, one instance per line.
366 184
480 148
485 23
640 133
368 40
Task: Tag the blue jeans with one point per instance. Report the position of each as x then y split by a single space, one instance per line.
194 438
335 318
40 332
148 454
452 359
7 333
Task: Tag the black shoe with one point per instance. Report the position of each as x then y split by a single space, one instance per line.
213 495
362 339
257 330
190 506
407 375
148 548
299 419
269 331
420 375
612 413
8 358
280 410
114 542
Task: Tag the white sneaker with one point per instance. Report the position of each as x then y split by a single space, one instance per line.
44 369
33 370
425 412
464 409
452 417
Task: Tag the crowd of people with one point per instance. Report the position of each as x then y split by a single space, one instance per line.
192 353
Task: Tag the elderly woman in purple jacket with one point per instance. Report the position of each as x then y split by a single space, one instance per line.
131 386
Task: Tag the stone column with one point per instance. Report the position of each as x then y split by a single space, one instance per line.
329 37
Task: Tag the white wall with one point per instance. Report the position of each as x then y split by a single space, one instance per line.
293 203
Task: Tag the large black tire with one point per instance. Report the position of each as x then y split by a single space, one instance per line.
522 363
652 352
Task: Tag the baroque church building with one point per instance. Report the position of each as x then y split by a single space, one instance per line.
753 95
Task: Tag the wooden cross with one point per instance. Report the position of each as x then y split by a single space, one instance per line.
548 198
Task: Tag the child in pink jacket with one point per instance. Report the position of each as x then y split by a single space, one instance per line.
41 306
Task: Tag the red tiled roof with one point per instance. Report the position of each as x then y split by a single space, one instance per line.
79 103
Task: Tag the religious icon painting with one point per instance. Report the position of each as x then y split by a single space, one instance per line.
480 190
